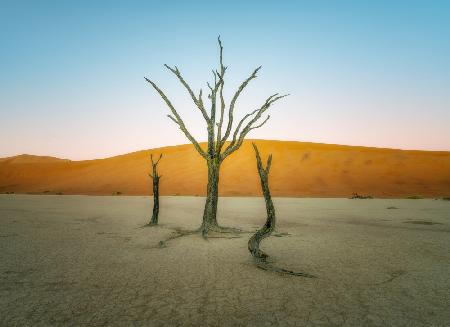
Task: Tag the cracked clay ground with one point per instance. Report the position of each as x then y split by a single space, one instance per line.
86 260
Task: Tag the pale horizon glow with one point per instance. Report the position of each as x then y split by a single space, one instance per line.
369 74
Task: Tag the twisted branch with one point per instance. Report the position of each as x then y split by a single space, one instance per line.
254 242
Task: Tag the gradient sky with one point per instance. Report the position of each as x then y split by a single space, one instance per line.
374 73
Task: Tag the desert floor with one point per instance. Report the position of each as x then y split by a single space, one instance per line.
86 260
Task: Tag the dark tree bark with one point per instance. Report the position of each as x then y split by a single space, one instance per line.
155 176
269 226
210 211
254 242
216 151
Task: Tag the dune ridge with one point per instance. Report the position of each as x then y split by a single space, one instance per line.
300 169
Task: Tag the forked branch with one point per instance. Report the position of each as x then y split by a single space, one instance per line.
238 140
233 103
177 119
154 164
198 101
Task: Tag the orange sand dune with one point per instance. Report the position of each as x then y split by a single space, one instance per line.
299 169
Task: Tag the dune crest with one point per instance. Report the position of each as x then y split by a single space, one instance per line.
299 169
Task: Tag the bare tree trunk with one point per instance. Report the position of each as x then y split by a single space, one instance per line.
212 196
154 220
269 226
155 176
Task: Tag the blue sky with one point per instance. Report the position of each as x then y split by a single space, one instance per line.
373 73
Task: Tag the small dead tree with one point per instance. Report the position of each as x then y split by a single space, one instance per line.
269 226
155 176
217 149
253 244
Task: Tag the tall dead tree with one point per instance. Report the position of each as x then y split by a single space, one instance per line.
218 148
155 176
253 244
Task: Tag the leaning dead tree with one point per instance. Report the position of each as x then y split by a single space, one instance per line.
269 226
219 131
155 176
253 244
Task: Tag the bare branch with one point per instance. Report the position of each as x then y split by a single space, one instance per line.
171 117
211 89
221 75
218 82
259 161
213 98
236 143
198 101
215 79
258 157
265 106
236 132
177 119
154 164
222 113
269 163
260 125
221 51
233 102
160 156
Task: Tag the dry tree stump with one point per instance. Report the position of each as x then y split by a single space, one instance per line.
155 176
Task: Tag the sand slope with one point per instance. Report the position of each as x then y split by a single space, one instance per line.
299 169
